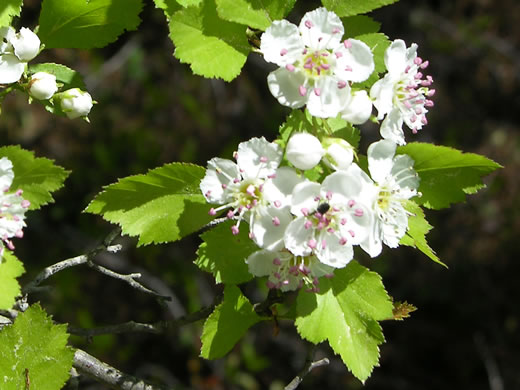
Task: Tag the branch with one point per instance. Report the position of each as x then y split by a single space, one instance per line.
74 261
108 375
155 328
309 366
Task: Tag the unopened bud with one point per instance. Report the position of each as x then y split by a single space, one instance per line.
304 150
76 103
338 153
42 85
26 44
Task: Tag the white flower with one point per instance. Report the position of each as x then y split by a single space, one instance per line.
329 221
395 182
12 207
304 150
254 189
288 272
339 154
15 51
75 103
42 85
358 109
315 65
402 95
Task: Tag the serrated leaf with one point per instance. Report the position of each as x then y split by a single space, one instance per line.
69 77
342 129
213 47
227 266
227 324
8 10
37 177
162 205
346 314
447 174
354 7
86 24
33 350
418 227
254 13
168 6
189 3
360 24
10 269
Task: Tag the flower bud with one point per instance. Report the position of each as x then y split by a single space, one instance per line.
304 150
338 153
26 44
76 103
42 85
358 109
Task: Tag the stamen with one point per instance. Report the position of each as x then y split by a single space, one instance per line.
276 261
276 221
358 212
277 203
290 67
347 44
342 84
302 90
308 24
234 230
317 91
312 243
284 52
212 211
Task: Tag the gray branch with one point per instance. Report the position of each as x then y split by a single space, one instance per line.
108 375
309 366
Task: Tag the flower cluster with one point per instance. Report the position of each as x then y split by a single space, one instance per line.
305 229
12 208
16 50
319 70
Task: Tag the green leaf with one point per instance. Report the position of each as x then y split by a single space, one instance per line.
360 24
213 47
254 13
34 350
227 266
10 269
162 205
168 6
69 77
354 7
345 313
8 10
86 24
37 177
418 227
189 3
227 324
447 174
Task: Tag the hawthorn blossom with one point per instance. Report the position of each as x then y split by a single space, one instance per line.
12 207
286 271
42 85
16 49
75 103
339 154
402 95
329 221
358 108
395 182
253 189
316 66
304 150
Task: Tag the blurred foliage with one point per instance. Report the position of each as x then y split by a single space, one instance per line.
152 110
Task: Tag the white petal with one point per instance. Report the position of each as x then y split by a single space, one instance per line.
321 29
297 237
260 263
26 44
219 177
304 150
6 174
258 158
356 63
278 190
281 43
382 93
405 175
330 252
358 109
342 186
411 53
373 244
339 153
392 127
11 69
380 159
304 197
392 233
395 57
285 87
266 233
327 99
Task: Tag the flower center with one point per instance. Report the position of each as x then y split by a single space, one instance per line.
317 63
249 193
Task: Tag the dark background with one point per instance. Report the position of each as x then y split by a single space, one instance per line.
152 110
